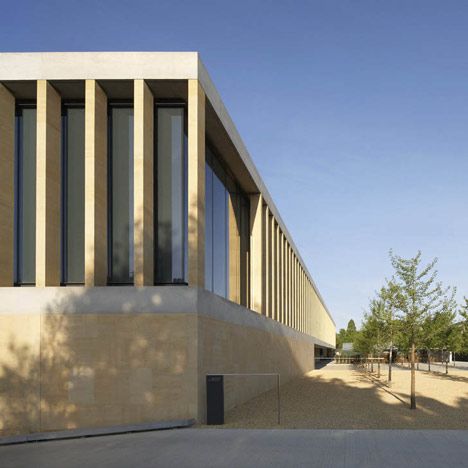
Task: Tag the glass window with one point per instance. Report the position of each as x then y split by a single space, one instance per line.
208 228
121 194
73 210
220 237
25 196
216 228
171 194
244 250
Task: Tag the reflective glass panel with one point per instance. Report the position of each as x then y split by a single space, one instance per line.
73 195
216 228
208 228
25 196
171 196
121 195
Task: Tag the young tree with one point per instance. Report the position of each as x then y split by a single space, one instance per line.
464 327
365 340
429 337
417 296
381 322
448 333
440 331
386 315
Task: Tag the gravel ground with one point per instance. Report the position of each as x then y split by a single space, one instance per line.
343 397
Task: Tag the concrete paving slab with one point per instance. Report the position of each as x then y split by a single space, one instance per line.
249 448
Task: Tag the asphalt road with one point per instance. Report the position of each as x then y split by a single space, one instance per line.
248 448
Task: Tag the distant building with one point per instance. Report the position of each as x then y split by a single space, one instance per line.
347 347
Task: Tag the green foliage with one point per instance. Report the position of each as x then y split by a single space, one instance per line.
463 325
412 308
346 336
416 296
378 328
351 327
448 335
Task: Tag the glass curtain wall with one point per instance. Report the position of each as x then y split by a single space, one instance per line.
219 188
73 210
171 196
216 227
25 196
120 194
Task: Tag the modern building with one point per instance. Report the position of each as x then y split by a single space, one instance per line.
139 248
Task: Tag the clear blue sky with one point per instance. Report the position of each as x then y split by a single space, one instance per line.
355 113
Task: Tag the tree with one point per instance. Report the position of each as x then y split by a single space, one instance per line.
365 339
386 315
448 333
440 331
369 339
351 329
429 337
417 296
348 335
464 327
340 338
379 324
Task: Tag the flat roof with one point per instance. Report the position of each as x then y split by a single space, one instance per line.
26 66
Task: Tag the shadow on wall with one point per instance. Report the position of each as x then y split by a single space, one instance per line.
76 369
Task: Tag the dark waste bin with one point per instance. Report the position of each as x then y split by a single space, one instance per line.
214 399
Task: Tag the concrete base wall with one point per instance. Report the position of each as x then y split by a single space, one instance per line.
79 371
90 357
230 348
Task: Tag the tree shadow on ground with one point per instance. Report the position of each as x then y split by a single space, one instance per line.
444 376
349 402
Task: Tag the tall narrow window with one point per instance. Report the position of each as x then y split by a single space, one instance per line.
25 195
244 250
220 238
216 228
208 227
73 167
171 193
120 194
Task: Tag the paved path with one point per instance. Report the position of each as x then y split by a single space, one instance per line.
248 448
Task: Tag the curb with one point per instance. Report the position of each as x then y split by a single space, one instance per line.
96 432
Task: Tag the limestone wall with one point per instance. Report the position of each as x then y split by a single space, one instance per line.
92 357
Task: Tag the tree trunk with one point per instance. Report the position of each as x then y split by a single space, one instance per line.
378 368
413 379
372 363
429 359
446 361
390 357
